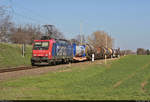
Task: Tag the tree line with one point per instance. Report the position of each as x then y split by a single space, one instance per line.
142 51
96 39
23 33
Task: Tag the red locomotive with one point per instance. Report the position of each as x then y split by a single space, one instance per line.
51 51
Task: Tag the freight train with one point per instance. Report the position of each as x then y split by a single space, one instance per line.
54 51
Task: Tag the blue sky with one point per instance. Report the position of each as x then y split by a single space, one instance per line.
127 21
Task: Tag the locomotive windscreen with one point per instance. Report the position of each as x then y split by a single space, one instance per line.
41 45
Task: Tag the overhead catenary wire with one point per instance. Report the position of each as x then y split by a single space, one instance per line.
27 17
22 8
14 14
81 32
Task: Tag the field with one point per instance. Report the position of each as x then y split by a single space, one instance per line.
127 78
11 55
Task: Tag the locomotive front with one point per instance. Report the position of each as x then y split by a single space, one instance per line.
41 52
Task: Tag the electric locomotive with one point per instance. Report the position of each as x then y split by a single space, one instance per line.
51 51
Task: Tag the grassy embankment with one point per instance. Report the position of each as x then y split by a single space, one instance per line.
10 55
122 79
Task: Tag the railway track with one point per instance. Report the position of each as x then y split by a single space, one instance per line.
3 70
13 73
33 67
16 69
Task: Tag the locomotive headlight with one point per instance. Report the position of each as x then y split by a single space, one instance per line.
46 54
34 54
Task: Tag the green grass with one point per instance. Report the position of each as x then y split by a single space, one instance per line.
85 82
10 55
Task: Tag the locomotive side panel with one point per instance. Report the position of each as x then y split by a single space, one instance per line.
62 50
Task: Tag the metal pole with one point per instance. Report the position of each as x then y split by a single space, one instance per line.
23 50
111 48
81 32
106 41
106 47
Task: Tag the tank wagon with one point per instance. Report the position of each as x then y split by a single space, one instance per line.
101 52
116 53
110 52
89 50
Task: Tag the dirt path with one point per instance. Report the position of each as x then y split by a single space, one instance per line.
44 70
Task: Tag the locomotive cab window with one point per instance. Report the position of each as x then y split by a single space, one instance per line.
41 46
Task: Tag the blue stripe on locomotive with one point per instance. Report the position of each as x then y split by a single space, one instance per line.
54 49
62 49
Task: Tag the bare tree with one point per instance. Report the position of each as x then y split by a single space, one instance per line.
141 51
147 52
25 34
100 39
5 24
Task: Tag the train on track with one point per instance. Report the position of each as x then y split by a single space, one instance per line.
55 51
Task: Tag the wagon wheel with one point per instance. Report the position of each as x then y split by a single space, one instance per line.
33 64
67 61
54 63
